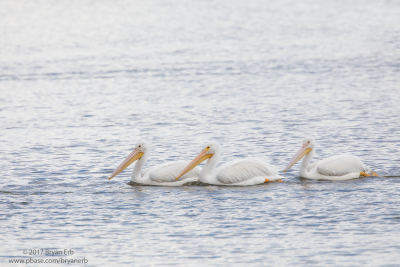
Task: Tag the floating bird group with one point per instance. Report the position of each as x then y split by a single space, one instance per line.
243 172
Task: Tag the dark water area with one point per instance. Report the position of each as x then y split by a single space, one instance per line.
82 82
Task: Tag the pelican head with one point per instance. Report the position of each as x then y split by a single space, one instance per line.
307 146
209 149
140 149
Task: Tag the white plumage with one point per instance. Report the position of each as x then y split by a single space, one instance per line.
167 172
163 174
243 170
249 171
341 167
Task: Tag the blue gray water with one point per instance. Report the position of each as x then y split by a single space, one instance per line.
82 81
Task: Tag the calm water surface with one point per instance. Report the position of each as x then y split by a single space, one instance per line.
82 81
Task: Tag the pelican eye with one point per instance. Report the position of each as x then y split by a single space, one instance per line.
207 148
308 141
140 145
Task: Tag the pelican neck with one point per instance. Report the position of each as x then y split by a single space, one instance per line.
306 161
136 176
205 174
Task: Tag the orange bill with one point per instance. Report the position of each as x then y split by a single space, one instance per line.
202 156
132 157
301 153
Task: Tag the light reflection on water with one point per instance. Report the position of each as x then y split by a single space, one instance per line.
81 83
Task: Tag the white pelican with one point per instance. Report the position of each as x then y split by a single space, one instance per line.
163 174
249 171
341 167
